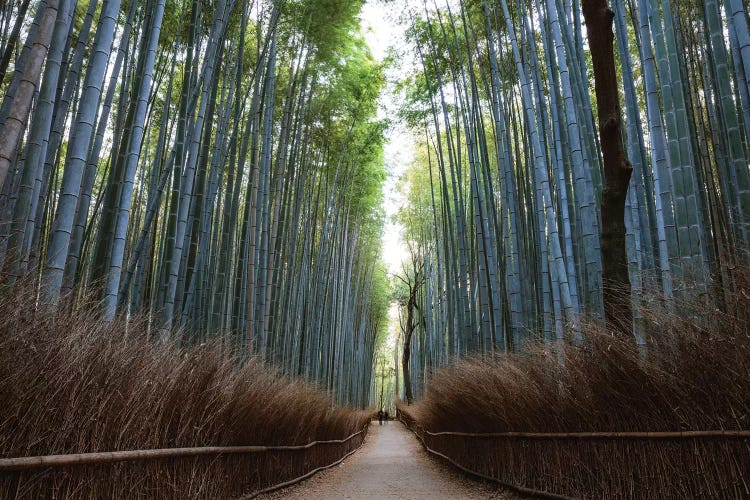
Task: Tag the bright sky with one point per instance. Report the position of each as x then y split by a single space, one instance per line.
383 33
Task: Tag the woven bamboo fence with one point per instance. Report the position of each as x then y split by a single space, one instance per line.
172 472
694 464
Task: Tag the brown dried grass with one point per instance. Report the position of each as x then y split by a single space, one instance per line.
70 383
693 375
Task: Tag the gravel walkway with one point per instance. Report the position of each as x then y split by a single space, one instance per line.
391 464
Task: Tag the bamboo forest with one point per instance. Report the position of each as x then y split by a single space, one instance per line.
238 238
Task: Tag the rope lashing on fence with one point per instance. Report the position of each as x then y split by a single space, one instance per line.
38 462
598 435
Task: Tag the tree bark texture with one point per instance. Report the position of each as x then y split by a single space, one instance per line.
11 130
617 169
13 38
406 355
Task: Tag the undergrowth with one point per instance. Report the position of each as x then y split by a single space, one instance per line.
70 383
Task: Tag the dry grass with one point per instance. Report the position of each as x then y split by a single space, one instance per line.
72 384
693 375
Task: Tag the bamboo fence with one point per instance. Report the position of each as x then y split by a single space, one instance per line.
170 472
688 464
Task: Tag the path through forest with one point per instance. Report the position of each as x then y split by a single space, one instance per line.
391 464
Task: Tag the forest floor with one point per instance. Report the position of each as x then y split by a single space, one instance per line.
392 464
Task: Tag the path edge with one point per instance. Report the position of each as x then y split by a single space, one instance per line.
308 475
522 490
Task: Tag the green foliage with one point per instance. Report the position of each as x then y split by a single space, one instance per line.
416 216
259 221
399 291
325 24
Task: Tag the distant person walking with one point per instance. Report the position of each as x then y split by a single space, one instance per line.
380 417
385 416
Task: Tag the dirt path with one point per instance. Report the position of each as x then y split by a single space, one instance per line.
391 464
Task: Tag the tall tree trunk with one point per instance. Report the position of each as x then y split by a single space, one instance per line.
77 150
133 153
37 141
617 168
13 38
406 354
30 74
